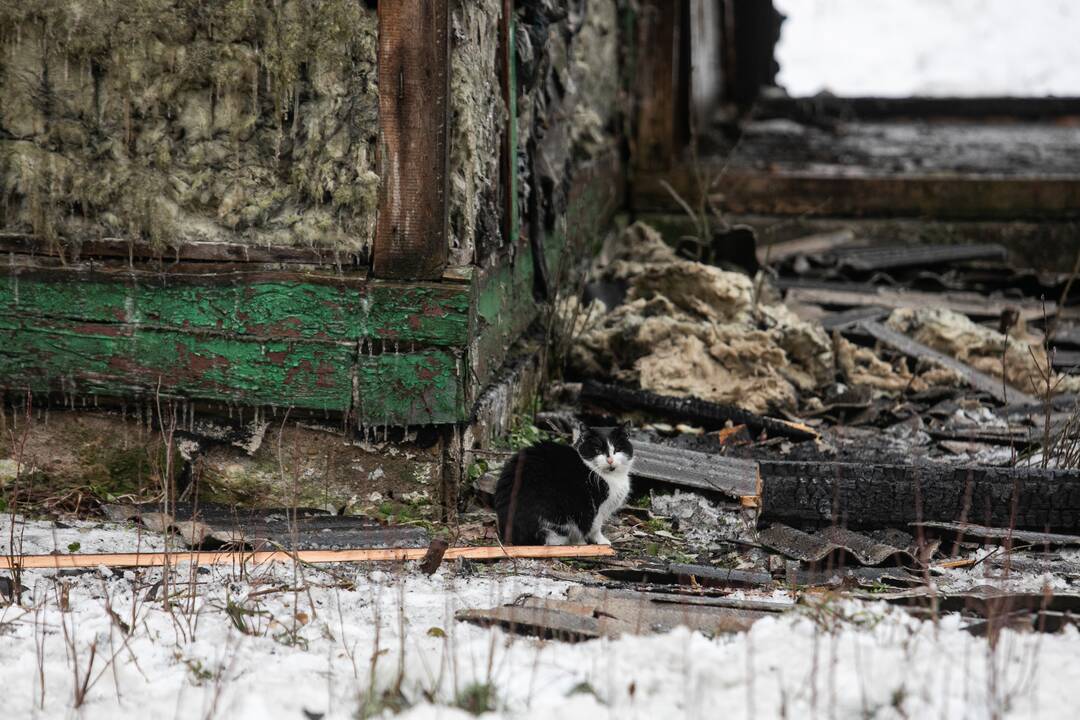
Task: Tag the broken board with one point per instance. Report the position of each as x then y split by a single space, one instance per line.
732 477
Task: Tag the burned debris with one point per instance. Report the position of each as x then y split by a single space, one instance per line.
291 284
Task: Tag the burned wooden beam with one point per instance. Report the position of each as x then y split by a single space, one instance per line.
732 477
691 410
914 349
882 495
822 107
414 84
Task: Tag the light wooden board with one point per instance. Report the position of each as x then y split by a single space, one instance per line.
157 559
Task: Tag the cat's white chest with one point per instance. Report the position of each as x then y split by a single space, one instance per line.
618 488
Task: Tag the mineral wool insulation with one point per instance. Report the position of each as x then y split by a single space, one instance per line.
254 121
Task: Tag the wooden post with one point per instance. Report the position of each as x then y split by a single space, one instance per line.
706 62
509 149
659 27
414 74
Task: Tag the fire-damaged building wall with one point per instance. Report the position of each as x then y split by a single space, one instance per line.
257 122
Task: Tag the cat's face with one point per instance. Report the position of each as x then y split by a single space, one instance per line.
605 450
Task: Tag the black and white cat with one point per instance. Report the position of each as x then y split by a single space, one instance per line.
557 494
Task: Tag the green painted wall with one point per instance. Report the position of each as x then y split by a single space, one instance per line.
387 353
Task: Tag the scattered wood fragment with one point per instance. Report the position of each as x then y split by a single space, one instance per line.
588 613
849 318
733 477
953 564
692 410
921 256
434 556
917 350
996 533
547 623
854 295
159 559
670 573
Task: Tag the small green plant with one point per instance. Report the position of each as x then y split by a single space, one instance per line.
376 704
655 524
585 688
476 698
476 469
74 547
199 672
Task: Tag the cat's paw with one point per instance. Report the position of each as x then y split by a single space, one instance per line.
601 540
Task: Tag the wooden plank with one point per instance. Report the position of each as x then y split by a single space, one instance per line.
610 615
855 193
733 477
116 360
918 351
966 303
659 27
190 251
158 559
918 256
414 86
990 533
268 306
868 494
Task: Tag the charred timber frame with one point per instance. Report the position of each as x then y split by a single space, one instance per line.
394 339
873 495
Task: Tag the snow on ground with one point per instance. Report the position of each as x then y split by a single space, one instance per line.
930 47
311 651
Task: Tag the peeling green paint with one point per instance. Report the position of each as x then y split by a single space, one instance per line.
121 360
423 387
334 311
339 345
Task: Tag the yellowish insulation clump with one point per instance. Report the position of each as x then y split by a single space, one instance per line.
181 120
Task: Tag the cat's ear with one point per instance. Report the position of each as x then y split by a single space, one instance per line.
623 428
